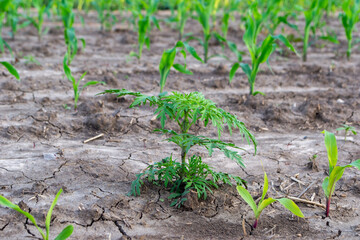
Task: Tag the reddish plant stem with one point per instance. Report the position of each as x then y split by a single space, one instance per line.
327 207
255 223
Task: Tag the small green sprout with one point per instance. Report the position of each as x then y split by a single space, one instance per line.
106 17
263 203
167 61
335 172
76 84
349 18
347 129
31 59
65 233
11 69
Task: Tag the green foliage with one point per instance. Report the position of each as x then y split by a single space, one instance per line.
144 23
76 84
186 110
168 172
335 172
38 21
349 17
263 203
167 61
259 53
106 17
11 69
66 232
71 41
347 129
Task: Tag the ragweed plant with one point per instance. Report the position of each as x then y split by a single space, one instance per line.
11 69
167 61
349 17
259 53
263 203
186 110
335 172
65 233
347 129
76 84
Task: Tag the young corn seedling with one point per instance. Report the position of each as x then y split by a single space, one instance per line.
144 24
259 53
312 18
71 41
347 129
335 172
65 233
11 69
167 61
106 17
183 13
349 18
232 6
186 110
204 11
76 84
4 9
263 203
38 21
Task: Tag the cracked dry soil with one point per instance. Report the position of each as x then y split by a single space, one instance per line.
42 147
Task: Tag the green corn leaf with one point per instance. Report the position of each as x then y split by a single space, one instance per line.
182 69
263 205
89 83
48 216
335 176
11 69
265 187
258 92
65 233
285 41
246 68
332 150
325 187
291 206
6 203
247 198
233 70
192 51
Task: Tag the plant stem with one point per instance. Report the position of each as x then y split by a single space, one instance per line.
348 52
255 223
327 207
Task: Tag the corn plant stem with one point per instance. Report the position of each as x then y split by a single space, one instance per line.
255 223
328 206
306 42
348 52
206 46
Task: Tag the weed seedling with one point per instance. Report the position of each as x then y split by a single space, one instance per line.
263 203
335 172
65 233
186 110
347 129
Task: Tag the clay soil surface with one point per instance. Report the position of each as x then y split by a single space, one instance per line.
42 147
